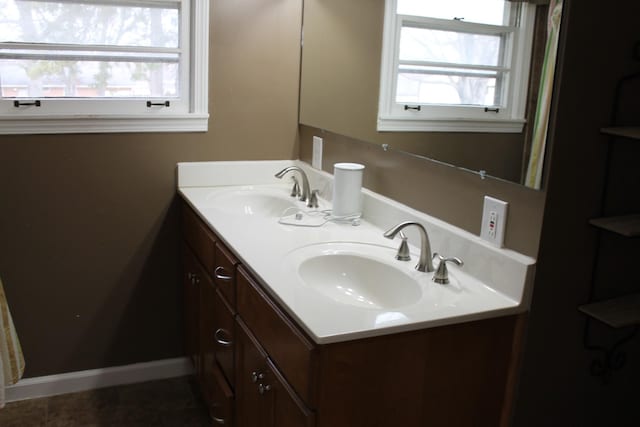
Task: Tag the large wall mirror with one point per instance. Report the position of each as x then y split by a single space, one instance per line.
340 80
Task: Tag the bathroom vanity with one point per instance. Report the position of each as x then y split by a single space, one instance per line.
272 347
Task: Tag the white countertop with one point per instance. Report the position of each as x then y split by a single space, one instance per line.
492 282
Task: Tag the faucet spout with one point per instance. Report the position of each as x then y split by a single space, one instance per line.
306 192
425 263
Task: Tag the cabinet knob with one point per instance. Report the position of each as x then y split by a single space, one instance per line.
256 375
219 336
221 274
263 388
193 278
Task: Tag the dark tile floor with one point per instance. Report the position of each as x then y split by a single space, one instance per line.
173 402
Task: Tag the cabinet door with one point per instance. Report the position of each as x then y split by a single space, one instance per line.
263 397
190 286
252 408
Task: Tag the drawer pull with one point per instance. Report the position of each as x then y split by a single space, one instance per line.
256 375
217 420
220 274
222 341
262 389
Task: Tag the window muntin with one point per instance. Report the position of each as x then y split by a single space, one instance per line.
439 66
104 59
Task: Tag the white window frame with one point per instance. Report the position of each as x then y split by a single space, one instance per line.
60 116
393 117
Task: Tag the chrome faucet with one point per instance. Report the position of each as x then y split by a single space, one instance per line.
305 195
425 263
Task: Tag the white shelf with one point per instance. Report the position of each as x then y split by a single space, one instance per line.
632 132
616 312
626 225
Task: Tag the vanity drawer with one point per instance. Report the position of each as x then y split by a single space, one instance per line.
291 351
221 401
224 274
224 337
199 237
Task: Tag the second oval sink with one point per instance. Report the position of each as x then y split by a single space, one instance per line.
252 201
357 274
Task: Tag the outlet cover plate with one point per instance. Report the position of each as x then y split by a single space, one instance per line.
316 156
494 221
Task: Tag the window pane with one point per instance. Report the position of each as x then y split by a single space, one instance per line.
448 86
417 44
75 23
88 79
484 12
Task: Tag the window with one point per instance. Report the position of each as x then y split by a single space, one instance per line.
455 65
71 66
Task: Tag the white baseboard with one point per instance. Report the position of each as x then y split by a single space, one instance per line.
72 382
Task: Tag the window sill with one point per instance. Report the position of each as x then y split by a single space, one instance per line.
450 125
11 125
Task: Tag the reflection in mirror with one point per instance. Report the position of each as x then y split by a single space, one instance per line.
341 85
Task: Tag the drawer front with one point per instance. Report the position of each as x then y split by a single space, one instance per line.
221 403
224 337
224 273
291 351
207 327
199 237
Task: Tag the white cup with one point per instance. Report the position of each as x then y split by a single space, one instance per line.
347 186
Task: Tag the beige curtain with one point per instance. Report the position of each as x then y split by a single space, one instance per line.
11 359
533 177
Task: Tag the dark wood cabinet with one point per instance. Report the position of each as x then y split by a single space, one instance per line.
209 318
259 368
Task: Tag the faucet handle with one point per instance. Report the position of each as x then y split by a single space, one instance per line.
441 275
313 199
403 251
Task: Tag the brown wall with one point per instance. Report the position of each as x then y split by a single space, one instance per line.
89 235
339 91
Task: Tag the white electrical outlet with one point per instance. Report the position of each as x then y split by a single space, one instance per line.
316 156
494 221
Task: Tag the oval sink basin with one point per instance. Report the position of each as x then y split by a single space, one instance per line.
358 274
250 201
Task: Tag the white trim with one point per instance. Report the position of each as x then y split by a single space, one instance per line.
104 124
450 125
187 118
199 57
72 382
